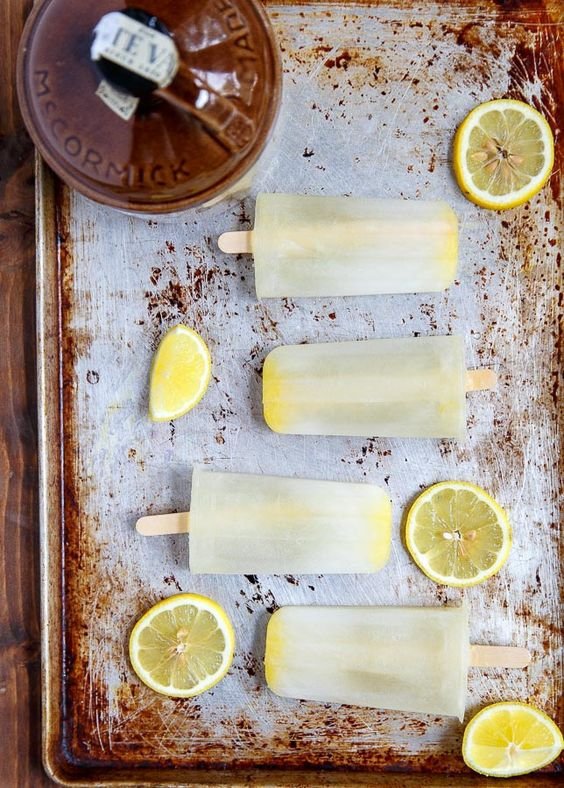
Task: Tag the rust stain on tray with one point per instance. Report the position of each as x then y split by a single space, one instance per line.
400 78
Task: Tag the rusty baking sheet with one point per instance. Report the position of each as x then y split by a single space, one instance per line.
373 93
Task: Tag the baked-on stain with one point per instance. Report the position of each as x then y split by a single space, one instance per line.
78 585
178 286
171 580
342 60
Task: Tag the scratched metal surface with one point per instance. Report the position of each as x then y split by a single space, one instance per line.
372 97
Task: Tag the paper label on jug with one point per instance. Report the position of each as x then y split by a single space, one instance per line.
121 102
136 47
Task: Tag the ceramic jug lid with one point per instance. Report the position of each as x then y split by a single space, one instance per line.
152 105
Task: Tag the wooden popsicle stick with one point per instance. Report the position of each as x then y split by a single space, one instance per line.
499 657
162 524
239 242
480 379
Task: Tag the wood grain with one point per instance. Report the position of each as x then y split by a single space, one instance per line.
19 638
19 574
356 103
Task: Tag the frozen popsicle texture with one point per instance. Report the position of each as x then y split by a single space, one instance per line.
249 524
403 658
413 387
307 245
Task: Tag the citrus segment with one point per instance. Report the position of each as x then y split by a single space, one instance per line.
457 534
182 646
180 374
503 153
508 739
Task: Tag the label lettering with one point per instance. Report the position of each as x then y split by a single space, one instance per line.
56 123
245 56
138 48
93 158
121 172
240 130
160 181
234 22
244 42
43 75
49 105
131 38
72 145
179 170
119 101
155 54
223 5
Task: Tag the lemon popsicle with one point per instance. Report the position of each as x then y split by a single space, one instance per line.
412 387
403 658
305 245
251 524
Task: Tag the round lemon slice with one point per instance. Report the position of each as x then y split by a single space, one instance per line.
508 739
182 646
503 154
180 374
457 534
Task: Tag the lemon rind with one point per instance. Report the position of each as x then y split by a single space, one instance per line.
450 580
203 603
535 712
154 414
481 197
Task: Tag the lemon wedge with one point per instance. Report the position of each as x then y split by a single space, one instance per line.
457 534
503 154
508 739
182 646
180 374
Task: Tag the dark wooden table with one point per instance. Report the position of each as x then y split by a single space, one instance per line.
20 761
20 692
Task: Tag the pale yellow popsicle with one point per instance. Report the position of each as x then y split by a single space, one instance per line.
412 387
242 523
253 524
404 658
307 245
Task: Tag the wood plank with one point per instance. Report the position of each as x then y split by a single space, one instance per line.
19 665
19 566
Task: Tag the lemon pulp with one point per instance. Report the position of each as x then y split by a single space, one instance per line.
503 153
180 374
508 739
182 646
457 534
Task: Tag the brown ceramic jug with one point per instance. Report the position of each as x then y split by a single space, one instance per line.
153 105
